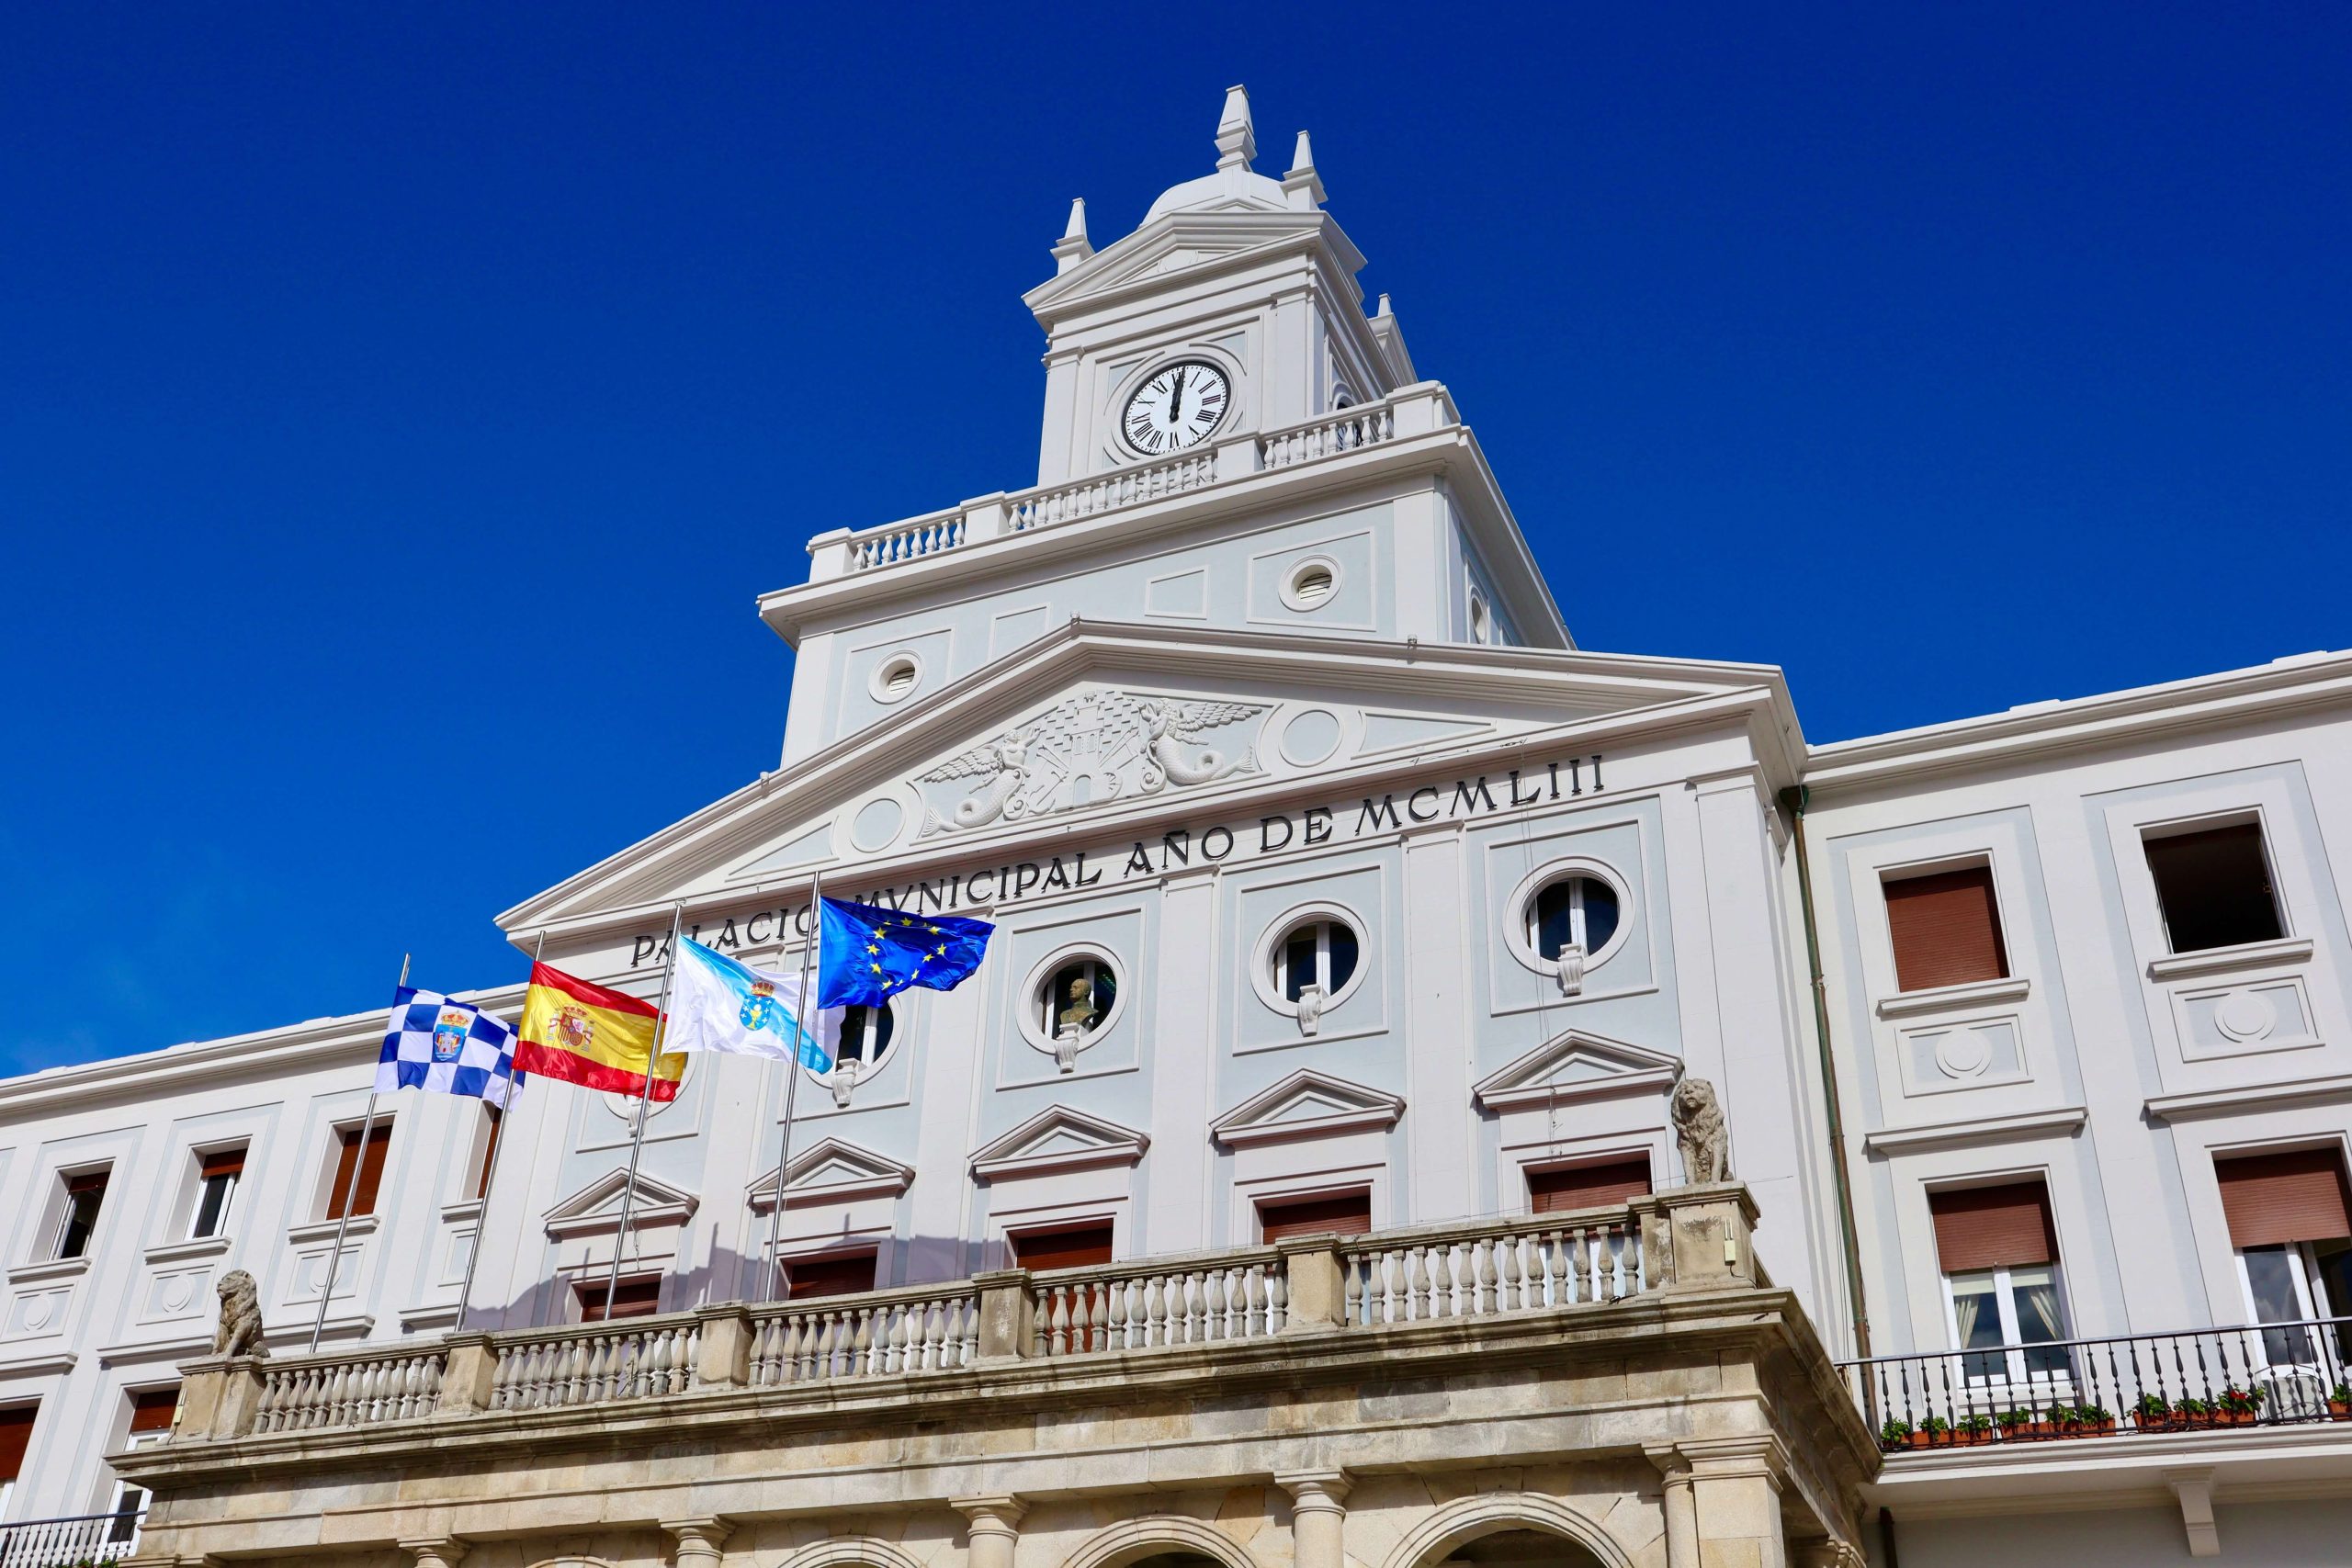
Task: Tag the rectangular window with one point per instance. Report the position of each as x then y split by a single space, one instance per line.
1999 1254
1947 929
1348 1214
497 1118
2215 886
16 1437
152 1409
152 1414
1064 1247
2290 1223
84 1195
369 1167
216 1175
636 1297
837 1274
1588 1186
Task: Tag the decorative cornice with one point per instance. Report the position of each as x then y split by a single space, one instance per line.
1350 1108
1952 999
2190 1106
1017 1153
1625 1069
2233 960
1985 1129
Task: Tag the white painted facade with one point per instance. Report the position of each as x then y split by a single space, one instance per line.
1158 712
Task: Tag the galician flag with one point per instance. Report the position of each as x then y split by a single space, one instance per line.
718 1003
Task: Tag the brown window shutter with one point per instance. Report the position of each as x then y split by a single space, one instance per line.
152 1409
2275 1199
842 1274
371 1168
1350 1214
227 1162
1073 1247
1947 931
1988 1227
1588 1186
639 1297
88 1181
16 1434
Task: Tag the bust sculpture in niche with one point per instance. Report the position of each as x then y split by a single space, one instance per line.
1071 1024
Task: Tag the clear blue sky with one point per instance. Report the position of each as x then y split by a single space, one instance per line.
387 390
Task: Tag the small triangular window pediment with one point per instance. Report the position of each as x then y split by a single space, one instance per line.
1308 1104
1577 1065
595 1208
1059 1138
833 1172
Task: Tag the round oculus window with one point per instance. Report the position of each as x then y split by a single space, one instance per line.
1573 910
1310 584
896 677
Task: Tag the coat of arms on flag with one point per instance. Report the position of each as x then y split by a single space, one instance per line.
759 1007
445 1046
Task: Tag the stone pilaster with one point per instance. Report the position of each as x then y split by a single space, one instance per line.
1318 1289
1735 1495
1681 1507
700 1539
467 1375
1318 1516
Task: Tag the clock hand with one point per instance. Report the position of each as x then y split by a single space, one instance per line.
1176 400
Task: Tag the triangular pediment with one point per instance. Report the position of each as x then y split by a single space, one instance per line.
834 1171
1098 720
1577 1065
1308 1104
1059 1138
596 1208
1226 232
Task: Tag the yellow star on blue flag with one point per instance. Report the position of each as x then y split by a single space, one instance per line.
866 954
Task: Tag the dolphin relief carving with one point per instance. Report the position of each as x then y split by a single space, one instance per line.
1095 746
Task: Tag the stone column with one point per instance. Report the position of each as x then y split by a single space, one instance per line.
1318 1516
1681 1507
700 1539
994 1529
435 1551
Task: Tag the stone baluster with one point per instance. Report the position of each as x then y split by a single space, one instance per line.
1482 1277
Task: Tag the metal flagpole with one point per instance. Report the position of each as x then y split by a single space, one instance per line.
350 1196
490 1176
636 1138
792 1084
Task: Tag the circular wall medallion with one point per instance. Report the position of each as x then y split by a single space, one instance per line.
1963 1053
2245 1015
1311 736
877 822
895 679
37 1311
179 1292
1310 584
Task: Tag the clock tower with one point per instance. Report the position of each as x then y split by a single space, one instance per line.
1231 310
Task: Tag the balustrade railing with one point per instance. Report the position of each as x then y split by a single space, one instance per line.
927 1330
1153 1303
1542 1260
1364 425
1471 1268
358 1390
1332 435
2266 1375
81 1541
643 1359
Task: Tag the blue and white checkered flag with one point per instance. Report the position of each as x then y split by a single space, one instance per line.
447 1047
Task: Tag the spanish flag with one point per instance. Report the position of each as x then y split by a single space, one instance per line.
593 1036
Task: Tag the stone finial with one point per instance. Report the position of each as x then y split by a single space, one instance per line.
1301 184
1385 309
1073 247
1700 1132
1237 142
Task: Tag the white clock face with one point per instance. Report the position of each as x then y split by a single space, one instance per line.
1176 408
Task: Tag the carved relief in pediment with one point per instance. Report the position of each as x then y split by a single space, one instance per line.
1095 746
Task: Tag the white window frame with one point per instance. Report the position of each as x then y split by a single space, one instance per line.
2304 1269
65 1212
147 1499
1577 880
1321 925
2059 1383
2185 827
228 1201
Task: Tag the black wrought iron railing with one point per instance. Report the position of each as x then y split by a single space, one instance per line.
78 1540
2272 1374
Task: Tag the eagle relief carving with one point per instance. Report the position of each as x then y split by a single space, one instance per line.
1095 746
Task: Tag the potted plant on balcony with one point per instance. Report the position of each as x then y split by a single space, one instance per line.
2021 1425
2239 1406
2190 1414
1934 1432
1896 1434
1969 1430
2087 1421
2154 1412
2340 1401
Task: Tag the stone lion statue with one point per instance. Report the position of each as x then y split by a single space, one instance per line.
1698 1120
239 1331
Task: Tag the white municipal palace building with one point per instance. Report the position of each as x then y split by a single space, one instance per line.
1436 1095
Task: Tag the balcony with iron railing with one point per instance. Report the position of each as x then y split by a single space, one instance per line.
2140 1386
1420 409
80 1540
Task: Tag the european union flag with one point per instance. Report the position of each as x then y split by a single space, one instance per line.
866 954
